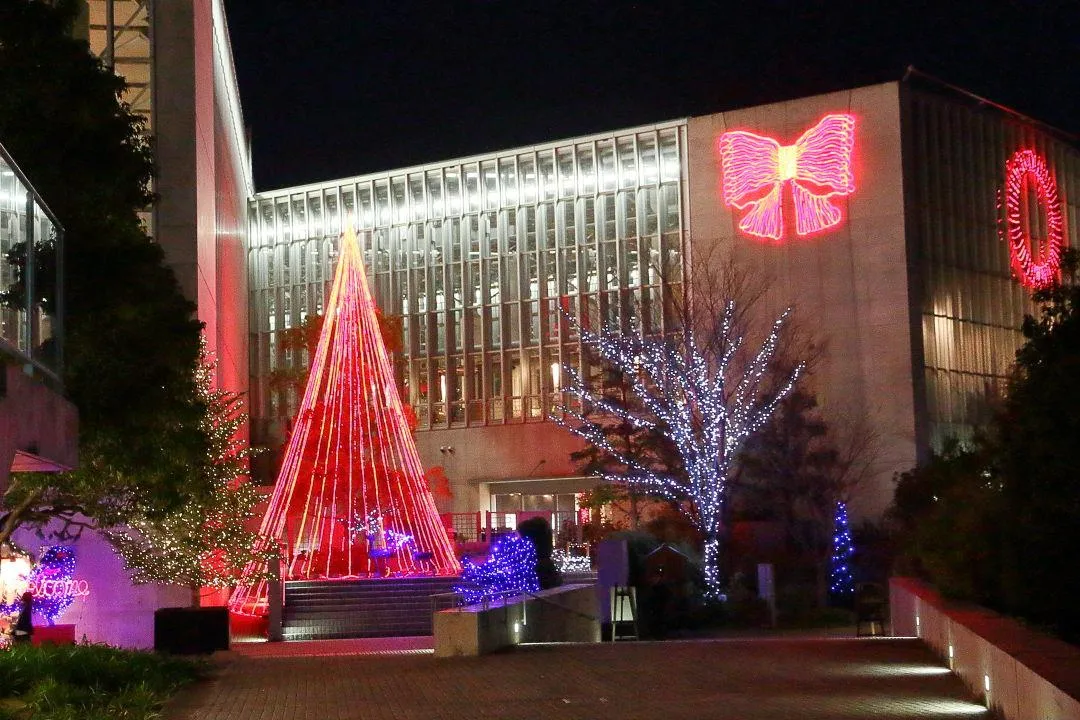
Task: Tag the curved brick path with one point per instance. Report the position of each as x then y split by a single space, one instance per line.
766 679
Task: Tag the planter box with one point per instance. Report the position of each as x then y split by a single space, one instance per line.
53 634
191 631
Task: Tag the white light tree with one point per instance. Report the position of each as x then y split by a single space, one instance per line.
704 392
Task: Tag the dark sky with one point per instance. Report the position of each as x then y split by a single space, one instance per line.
333 88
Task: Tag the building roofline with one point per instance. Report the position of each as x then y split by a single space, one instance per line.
298 189
942 84
910 73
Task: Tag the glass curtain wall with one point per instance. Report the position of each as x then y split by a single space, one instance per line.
29 325
971 306
481 258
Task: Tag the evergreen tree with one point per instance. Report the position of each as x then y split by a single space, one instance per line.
796 470
1037 461
996 521
647 446
206 542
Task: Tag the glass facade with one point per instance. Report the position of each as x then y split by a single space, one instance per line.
28 329
970 306
119 33
481 258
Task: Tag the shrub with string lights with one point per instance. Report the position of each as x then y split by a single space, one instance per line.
205 543
704 397
509 569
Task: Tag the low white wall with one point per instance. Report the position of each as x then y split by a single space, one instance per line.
562 614
1030 676
115 612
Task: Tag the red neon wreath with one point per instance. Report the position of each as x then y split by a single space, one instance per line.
1022 168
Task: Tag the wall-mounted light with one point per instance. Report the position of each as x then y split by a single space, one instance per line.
817 168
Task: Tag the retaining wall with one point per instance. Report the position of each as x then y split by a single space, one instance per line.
562 614
1021 674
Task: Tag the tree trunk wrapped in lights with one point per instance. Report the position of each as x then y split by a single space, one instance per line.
351 499
704 397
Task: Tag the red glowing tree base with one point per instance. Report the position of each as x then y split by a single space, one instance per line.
351 499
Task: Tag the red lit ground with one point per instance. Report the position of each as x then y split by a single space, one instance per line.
768 679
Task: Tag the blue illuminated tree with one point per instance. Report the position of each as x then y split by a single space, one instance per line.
841 583
703 392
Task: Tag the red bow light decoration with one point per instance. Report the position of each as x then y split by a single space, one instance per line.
817 166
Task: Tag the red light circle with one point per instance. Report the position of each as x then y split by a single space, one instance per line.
1023 167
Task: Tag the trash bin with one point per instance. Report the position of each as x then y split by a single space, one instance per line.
869 609
191 631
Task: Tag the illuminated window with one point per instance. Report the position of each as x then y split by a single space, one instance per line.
480 258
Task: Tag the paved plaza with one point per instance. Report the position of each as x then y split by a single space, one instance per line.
742 679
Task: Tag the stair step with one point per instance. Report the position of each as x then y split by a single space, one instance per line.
378 607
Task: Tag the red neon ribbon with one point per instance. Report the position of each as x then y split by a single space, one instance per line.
817 167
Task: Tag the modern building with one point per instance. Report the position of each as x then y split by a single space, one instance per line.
905 222
176 58
177 62
39 428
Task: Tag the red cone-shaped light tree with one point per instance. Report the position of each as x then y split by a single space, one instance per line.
351 499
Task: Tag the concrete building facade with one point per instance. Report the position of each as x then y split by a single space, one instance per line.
882 223
176 58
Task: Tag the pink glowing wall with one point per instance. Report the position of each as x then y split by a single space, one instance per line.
203 175
115 612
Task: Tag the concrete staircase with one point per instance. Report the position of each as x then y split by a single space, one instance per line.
382 607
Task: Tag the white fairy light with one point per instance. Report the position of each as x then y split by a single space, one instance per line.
699 397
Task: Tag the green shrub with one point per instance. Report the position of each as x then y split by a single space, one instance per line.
90 682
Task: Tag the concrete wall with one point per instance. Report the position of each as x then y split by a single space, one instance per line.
39 428
497 452
203 174
562 614
115 612
848 285
1021 674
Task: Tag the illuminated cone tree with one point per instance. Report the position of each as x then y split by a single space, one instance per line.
351 499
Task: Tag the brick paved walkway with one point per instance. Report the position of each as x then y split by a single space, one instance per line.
766 679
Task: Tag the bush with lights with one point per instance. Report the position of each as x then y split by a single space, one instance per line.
841 581
509 569
205 543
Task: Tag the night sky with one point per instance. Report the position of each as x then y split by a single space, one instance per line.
333 88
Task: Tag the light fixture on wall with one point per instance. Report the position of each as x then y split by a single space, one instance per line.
447 449
1036 267
818 168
